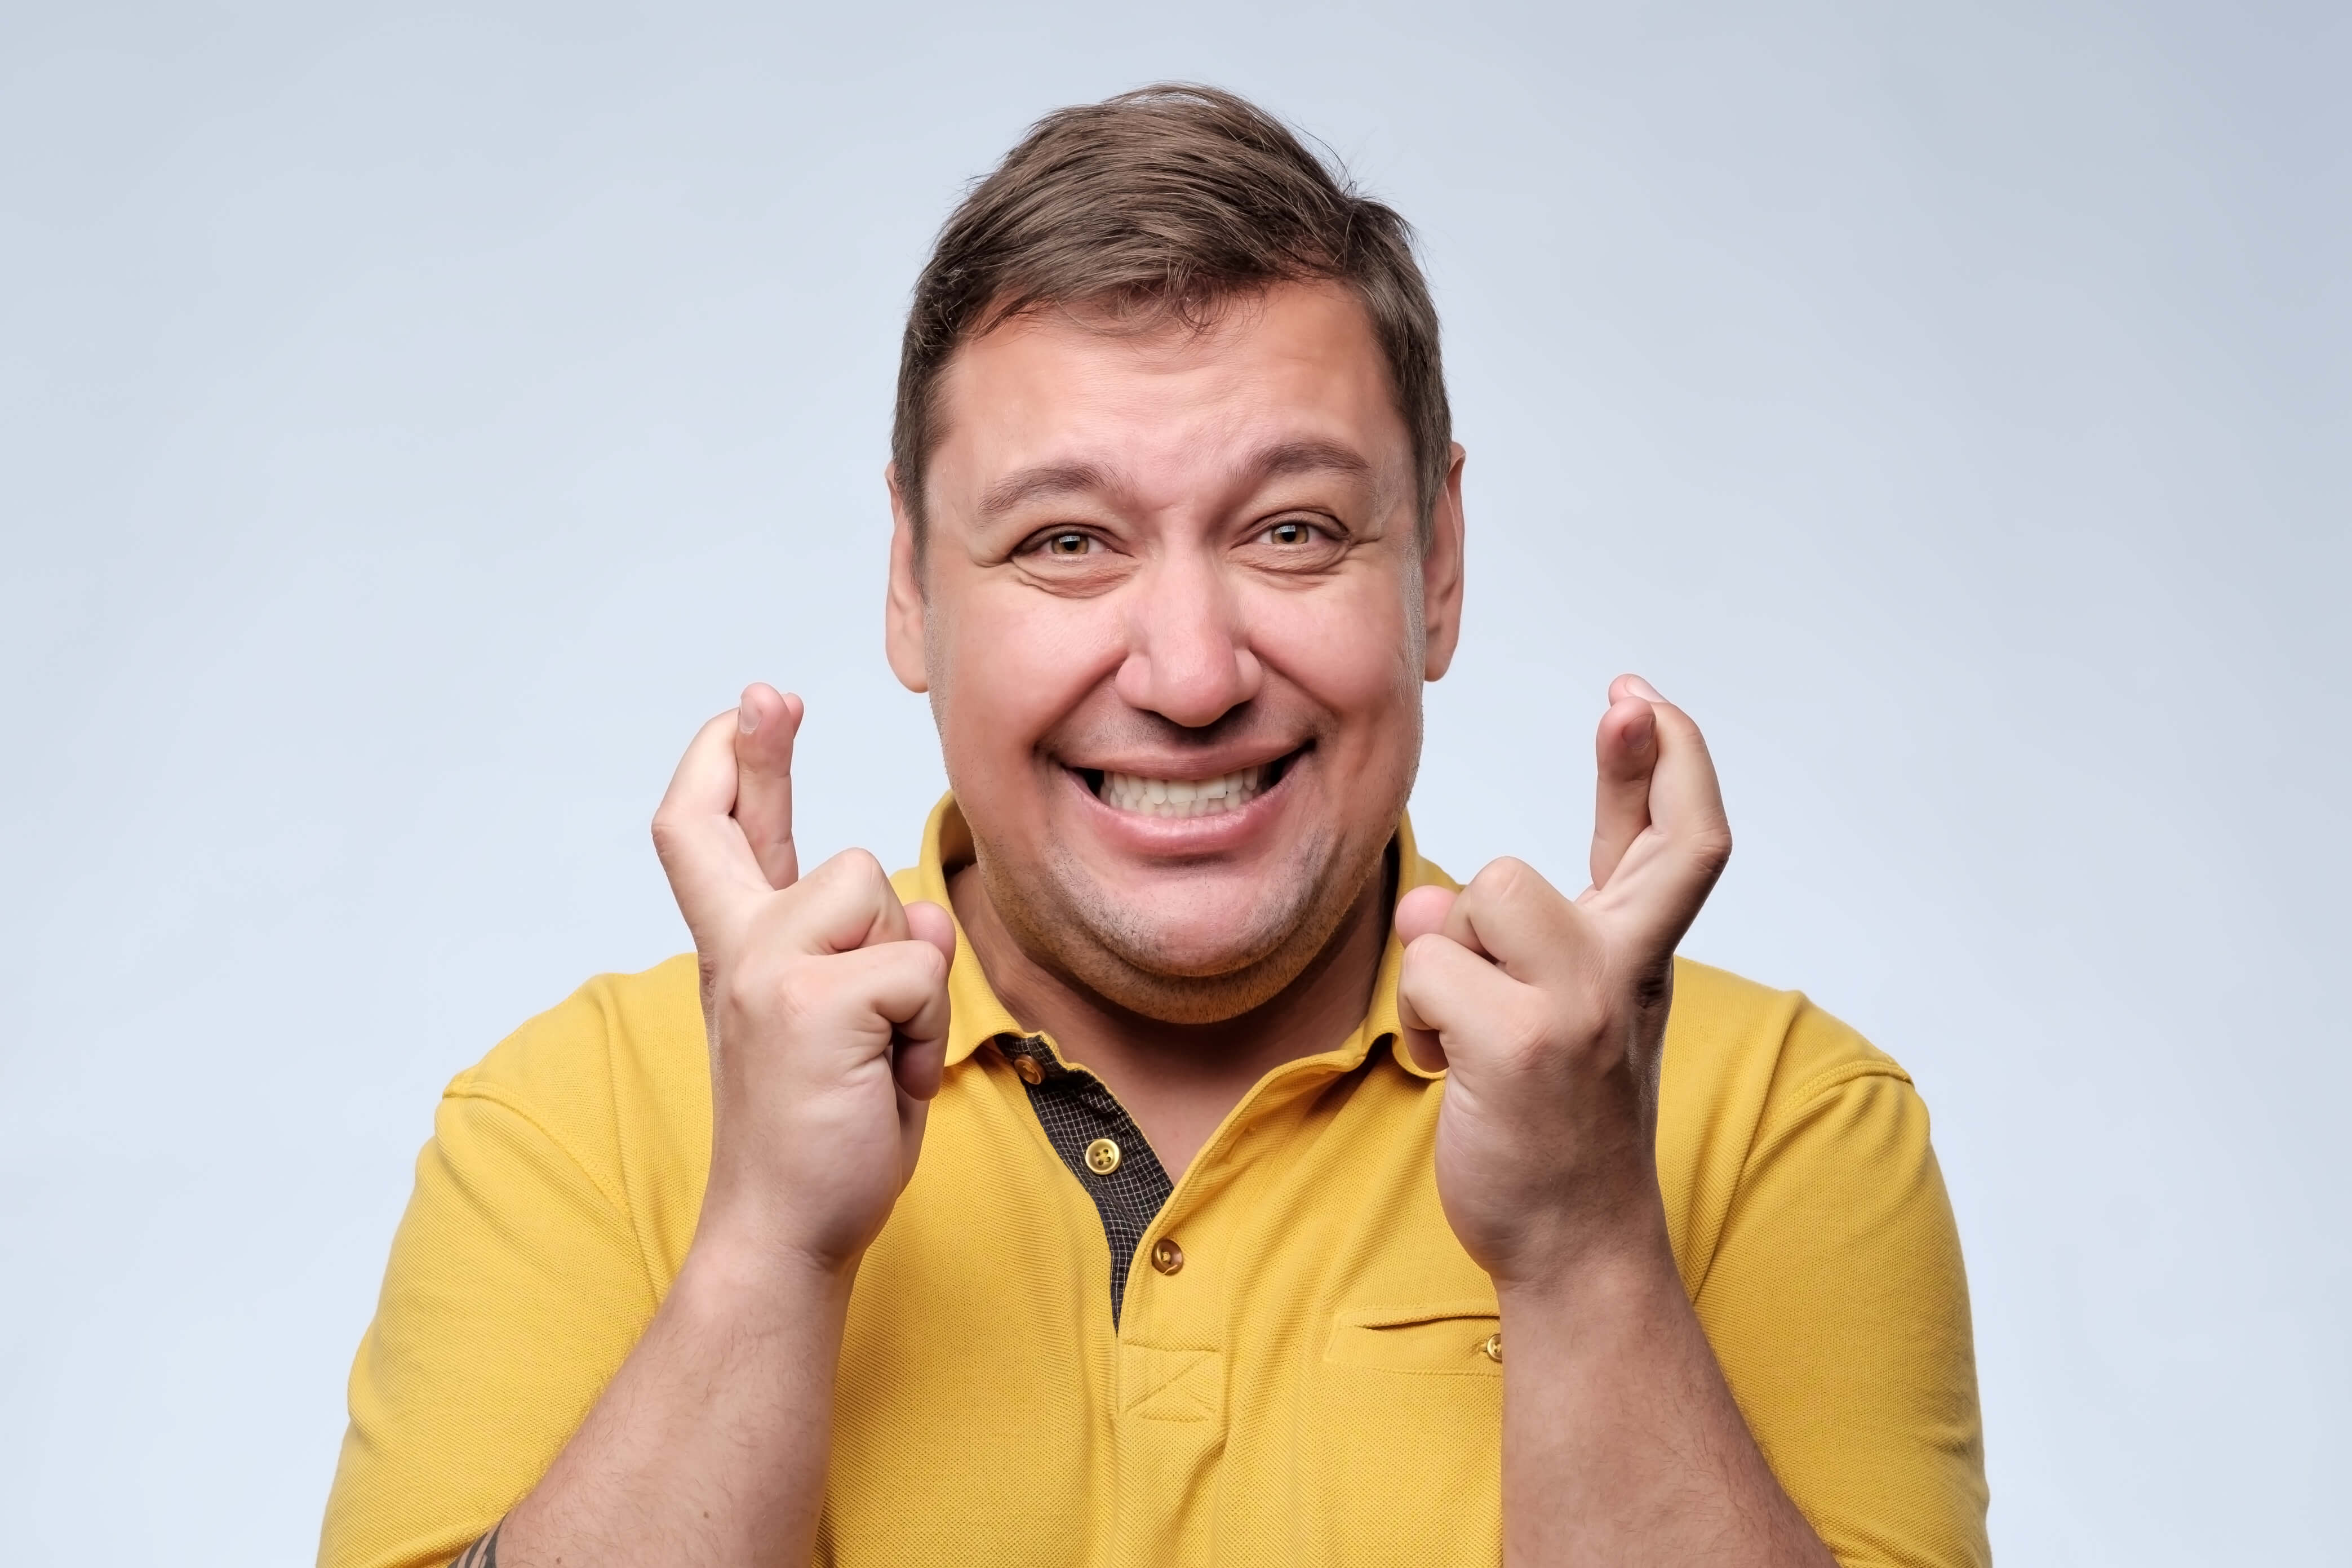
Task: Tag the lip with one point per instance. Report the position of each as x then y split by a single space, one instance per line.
1193 766
1188 837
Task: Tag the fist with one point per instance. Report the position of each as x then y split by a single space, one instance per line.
825 1001
1548 1012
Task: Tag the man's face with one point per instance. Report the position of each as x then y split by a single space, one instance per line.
1174 618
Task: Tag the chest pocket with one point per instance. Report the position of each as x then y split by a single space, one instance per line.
1402 1439
1457 1338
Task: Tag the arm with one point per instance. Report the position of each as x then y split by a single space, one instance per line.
1621 1442
827 1008
709 1445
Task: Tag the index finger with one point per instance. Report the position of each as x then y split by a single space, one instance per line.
1511 916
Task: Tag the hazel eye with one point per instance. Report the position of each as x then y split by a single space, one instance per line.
1067 544
1291 531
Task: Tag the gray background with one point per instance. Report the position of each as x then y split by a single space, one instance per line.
412 424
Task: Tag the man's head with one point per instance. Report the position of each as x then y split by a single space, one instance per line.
1179 539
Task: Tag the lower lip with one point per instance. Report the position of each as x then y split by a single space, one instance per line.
1215 833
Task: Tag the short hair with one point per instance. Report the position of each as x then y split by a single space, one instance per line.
1160 205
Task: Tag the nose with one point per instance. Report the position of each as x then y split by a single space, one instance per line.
1188 658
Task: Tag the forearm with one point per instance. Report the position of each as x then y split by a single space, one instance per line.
709 1447
1621 1442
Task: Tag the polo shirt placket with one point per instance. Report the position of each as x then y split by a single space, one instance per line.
1104 1149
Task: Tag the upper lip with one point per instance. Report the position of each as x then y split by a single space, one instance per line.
1195 766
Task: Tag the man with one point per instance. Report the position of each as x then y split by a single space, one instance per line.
1173 1166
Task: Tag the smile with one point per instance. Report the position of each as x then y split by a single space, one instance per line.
1183 798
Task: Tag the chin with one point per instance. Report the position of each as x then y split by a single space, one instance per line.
1197 950
1200 922
1188 943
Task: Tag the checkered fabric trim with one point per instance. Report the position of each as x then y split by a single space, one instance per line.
1074 1109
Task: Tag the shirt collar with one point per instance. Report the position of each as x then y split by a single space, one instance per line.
978 1017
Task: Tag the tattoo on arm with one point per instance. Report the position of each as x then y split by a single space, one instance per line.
483 1553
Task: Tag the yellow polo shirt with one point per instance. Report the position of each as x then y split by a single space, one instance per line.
1307 1388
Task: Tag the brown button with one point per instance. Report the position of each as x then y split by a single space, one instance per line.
1166 1256
1029 1072
1492 1348
1102 1156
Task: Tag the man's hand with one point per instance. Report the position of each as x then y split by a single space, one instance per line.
824 997
826 1005
1621 1441
1550 1013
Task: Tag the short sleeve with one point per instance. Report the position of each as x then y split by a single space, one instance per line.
1837 1304
515 1288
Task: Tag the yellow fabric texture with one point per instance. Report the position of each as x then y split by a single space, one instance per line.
1309 1388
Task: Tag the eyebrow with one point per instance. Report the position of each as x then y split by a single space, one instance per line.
1278 461
1288 457
1026 484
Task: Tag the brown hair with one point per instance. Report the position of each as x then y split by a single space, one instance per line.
1159 205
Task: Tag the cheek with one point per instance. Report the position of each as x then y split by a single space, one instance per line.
1007 669
1351 647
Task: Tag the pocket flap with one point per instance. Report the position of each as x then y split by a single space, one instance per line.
1442 1337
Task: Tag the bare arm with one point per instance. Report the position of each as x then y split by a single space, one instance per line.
1621 1441
709 1445
826 1007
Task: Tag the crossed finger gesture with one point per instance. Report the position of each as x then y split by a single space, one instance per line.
1550 1012
824 997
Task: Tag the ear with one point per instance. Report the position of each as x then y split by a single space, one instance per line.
903 609
1441 575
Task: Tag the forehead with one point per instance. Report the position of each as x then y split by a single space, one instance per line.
1297 362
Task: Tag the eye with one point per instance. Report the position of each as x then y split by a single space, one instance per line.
1069 543
1291 531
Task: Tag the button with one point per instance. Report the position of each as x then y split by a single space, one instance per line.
1029 1072
1166 1256
1102 1156
1492 1348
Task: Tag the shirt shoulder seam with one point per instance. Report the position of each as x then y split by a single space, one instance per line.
1776 1123
470 1086
607 1009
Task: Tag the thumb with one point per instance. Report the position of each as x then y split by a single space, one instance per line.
1419 914
926 922
919 1056
1422 911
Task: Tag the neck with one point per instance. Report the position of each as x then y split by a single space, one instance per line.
1180 1080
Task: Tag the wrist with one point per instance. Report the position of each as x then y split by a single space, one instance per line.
738 1270
1586 1271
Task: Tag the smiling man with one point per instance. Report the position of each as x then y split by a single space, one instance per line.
1173 1166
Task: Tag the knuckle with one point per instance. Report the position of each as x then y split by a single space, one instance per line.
1498 876
918 960
1712 846
851 874
1509 880
1654 988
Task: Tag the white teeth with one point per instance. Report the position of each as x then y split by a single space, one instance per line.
1184 797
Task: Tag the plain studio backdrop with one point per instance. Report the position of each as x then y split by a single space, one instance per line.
413 424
